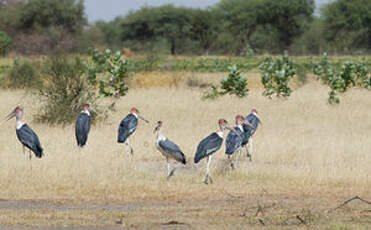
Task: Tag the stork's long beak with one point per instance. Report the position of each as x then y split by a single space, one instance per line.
8 117
140 116
230 128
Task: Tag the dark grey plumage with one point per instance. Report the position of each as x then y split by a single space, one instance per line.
172 150
29 139
82 128
233 141
208 146
249 131
127 127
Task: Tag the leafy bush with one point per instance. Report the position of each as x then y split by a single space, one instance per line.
65 90
350 74
234 84
276 75
107 62
23 75
5 43
323 69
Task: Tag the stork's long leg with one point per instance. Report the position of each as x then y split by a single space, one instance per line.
127 144
238 152
208 171
30 156
168 167
230 161
250 148
23 150
172 171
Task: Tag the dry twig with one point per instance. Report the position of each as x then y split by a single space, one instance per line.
350 200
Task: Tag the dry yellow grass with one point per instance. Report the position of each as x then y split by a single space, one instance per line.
305 149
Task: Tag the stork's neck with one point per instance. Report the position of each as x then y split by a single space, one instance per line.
239 126
86 112
220 133
135 115
159 136
19 123
256 115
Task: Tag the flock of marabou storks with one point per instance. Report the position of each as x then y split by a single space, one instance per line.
238 138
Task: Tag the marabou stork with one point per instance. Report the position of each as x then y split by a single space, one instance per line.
210 145
235 138
249 131
82 126
128 126
169 150
25 134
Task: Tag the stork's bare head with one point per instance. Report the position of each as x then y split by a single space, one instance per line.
223 124
239 119
17 112
136 112
158 127
86 107
254 111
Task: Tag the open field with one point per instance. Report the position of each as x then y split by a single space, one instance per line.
309 158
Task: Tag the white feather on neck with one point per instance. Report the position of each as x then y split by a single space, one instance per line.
19 124
220 133
135 115
256 115
86 112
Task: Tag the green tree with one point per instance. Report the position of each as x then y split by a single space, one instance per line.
348 24
243 18
164 22
67 15
204 28
112 31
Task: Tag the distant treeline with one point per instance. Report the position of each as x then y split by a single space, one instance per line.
231 27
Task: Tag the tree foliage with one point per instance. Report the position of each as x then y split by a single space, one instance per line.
67 15
5 43
244 18
347 24
151 23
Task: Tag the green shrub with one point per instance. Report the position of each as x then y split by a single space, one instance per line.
5 43
23 75
339 79
103 63
65 90
276 75
234 84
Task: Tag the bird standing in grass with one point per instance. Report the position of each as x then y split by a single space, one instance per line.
25 134
234 140
82 126
169 150
128 126
210 145
249 131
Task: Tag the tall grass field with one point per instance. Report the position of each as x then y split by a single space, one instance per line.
308 158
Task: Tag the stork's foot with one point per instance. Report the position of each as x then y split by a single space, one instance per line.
232 166
170 175
206 179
